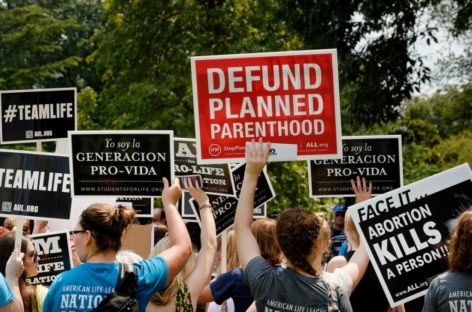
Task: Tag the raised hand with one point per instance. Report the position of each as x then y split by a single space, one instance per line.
171 194
257 154
361 189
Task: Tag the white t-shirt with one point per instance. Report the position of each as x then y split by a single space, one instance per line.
340 278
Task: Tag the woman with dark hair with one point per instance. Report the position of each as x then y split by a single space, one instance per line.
32 295
97 238
299 287
452 290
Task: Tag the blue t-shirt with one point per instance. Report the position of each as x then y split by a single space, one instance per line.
231 285
84 287
6 294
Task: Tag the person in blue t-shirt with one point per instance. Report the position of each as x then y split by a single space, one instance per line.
97 238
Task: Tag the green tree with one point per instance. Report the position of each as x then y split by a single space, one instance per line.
374 41
31 42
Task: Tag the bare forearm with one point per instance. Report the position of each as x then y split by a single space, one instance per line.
176 227
245 207
208 231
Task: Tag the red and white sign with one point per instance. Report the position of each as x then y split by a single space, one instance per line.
288 98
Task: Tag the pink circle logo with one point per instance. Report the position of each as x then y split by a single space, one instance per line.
214 150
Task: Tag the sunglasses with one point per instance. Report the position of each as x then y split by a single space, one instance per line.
74 233
339 214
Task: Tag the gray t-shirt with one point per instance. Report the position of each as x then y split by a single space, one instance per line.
450 291
282 289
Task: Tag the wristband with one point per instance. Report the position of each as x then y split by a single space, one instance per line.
206 205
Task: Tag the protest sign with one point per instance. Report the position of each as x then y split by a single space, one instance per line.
34 185
260 212
142 205
122 163
377 158
288 98
185 208
217 178
54 256
224 211
37 115
264 191
406 230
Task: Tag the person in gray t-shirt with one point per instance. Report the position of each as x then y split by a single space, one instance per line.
452 291
299 287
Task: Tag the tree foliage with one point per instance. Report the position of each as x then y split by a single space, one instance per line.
131 62
31 45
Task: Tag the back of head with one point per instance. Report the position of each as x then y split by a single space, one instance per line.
460 248
297 235
325 232
107 224
350 229
9 223
264 230
232 259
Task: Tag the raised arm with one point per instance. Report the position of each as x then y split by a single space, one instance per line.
358 263
246 244
201 274
13 270
177 255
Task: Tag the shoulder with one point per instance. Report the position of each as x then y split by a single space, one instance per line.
339 278
336 262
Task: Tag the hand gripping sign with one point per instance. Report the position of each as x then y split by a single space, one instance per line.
288 98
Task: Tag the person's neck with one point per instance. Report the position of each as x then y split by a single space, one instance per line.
338 227
108 256
315 263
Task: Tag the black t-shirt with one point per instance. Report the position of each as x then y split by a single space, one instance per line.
369 294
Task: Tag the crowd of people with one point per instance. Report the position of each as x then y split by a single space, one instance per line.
271 265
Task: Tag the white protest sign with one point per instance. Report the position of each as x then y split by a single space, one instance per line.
406 230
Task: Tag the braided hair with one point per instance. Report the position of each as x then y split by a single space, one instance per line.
297 234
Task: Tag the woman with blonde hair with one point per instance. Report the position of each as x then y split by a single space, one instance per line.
230 284
97 236
368 295
182 293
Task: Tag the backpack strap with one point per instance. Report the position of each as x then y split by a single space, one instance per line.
127 280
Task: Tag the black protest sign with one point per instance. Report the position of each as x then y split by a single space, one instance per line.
260 212
224 211
264 190
142 205
406 230
217 178
185 209
377 158
37 115
54 256
121 163
34 185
